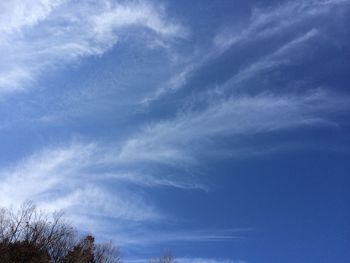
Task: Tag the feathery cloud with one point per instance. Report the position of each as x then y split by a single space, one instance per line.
44 35
268 22
179 140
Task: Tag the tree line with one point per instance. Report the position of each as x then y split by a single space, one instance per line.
28 235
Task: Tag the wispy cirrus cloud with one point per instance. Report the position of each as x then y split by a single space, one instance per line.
16 15
43 35
272 21
58 178
109 183
78 177
73 177
280 57
189 236
183 138
288 27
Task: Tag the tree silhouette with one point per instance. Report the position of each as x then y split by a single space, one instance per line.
30 236
166 258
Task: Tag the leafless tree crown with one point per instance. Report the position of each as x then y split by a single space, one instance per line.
30 236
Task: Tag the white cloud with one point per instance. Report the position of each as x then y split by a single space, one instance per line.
42 35
142 236
138 14
180 140
77 177
56 179
284 55
269 22
91 181
14 78
264 23
17 14
73 178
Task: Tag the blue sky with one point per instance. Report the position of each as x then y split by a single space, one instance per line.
216 129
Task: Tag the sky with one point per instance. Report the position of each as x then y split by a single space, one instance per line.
216 129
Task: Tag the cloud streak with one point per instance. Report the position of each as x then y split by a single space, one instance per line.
179 143
287 27
74 178
268 22
181 139
55 179
50 34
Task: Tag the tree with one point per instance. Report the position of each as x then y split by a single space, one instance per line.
166 258
30 236
82 252
21 251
